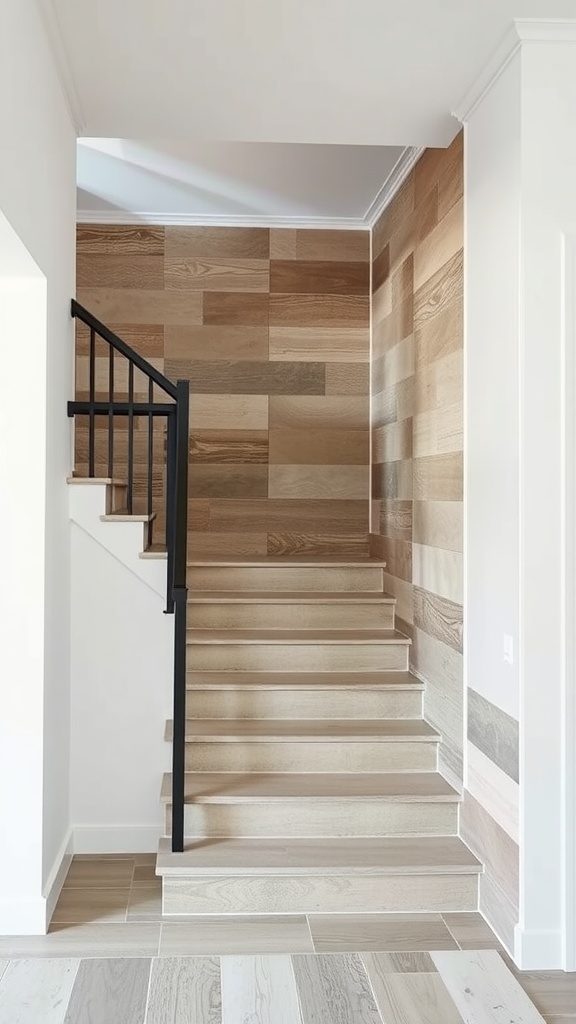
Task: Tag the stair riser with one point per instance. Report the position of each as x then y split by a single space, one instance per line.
323 657
317 818
286 578
291 616
289 704
347 894
319 704
349 756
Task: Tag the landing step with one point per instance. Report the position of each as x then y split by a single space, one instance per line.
287 597
302 681
437 855
314 561
232 788
291 636
154 551
242 730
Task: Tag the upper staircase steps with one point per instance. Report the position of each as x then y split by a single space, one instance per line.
311 776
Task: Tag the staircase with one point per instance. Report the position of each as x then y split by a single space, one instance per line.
311 776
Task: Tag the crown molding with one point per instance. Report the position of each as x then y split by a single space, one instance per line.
393 182
62 64
522 30
219 220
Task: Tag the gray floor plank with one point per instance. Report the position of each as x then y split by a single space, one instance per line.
483 988
185 990
259 990
37 991
110 992
3 966
334 990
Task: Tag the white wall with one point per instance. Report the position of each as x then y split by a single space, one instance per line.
37 196
121 667
521 215
492 377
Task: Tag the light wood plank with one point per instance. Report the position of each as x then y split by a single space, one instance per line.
106 873
347 378
262 730
439 571
110 990
3 966
322 344
283 243
327 244
96 906
471 931
302 412
319 447
223 275
114 270
483 988
364 756
185 990
230 934
259 990
142 306
319 310
212 342
412 998
120 238
439 524
401 963
338 933
86 940
494 790
499 890
229 412
334 990
318 481
36 991
218 242
215 788
440 245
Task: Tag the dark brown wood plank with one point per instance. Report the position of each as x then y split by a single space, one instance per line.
319 277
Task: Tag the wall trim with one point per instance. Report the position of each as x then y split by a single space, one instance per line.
116 838
537 950
522 30
220 220
62 63
393 183
568 738
57 876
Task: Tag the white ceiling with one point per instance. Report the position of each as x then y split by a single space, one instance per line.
347 72
187 180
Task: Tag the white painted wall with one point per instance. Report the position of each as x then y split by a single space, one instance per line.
37 196
521 206
121 694
491 501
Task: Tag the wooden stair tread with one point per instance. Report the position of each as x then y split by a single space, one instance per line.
154 551
382 856
389 680
232 788
287 597
241 730
314 561
296 636
95 480
123 516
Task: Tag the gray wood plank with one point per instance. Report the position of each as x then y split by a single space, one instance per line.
334 990
3 966
36 991
483 988
411 998
259 990
110 992
185 990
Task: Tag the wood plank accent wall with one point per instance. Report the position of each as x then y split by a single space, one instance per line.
417 494
417 391
272 327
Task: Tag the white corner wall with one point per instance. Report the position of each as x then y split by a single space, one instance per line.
37 196
121 697
520 534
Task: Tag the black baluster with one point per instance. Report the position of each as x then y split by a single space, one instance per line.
130 437
111 412
91 396
150 457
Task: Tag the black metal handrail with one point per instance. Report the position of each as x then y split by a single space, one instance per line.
176 413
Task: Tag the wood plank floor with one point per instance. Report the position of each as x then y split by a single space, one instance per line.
451 987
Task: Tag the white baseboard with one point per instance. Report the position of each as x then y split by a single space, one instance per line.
116 838
57 876
537 950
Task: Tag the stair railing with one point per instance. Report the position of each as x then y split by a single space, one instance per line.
175 411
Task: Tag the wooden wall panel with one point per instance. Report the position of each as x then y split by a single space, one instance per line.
417 323
272 329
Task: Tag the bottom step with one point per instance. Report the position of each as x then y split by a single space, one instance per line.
303 876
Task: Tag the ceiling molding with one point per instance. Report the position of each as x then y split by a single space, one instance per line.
522 30
62 64
393 182
220 220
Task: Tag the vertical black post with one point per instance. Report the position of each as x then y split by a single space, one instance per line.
91 395
180 622
111 412
130 437
150 457
170 506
